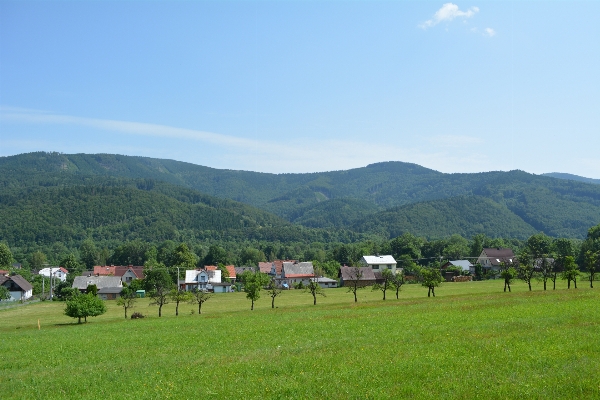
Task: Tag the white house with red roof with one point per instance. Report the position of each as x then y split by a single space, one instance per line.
55 272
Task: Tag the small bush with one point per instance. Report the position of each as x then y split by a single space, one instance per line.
137 315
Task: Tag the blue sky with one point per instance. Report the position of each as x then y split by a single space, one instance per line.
306 86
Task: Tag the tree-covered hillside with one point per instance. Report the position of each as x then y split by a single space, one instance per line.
339 199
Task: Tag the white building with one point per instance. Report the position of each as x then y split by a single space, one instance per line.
55 272
379 263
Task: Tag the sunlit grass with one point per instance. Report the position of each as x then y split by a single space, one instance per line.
472 341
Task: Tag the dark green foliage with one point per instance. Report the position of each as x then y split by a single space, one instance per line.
92 289
6 256
137 315
431 278
4 293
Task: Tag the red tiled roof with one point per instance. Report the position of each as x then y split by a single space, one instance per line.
231 271
210 268
63 270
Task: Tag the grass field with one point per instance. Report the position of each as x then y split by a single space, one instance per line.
472 341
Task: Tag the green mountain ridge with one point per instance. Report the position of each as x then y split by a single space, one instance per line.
383 198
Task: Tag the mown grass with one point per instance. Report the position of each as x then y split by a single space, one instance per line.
472 341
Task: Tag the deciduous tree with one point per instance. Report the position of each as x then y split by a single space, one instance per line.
355 281
431 279
508 273
570 271
127 299
158 283
199 297
397 281
387 277
6 257
179 296
273 292
314 288
83 306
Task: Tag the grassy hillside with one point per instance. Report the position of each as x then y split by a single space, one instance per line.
472 341
343 199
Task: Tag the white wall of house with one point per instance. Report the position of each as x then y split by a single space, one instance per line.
16 296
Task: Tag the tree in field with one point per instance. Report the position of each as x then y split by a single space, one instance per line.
431 279
570 271
179 296
562 248
314 288
525 268
397 281
387 277
4 293
545 267
158 283
254 283
508 273
83 306
591 264
355 280
127 299
199 297
6 257
273 292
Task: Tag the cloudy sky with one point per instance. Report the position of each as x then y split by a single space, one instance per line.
306 86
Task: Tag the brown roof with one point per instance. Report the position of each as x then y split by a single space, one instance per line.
18 280
498 255
210 267
349 273
265 267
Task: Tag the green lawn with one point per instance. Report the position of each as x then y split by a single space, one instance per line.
472 341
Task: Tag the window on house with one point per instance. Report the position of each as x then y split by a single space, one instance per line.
375 266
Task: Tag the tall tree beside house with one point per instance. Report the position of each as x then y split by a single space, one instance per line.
387 277
199 297
158 283
71 264
570 271
6 257
179 296
313 286
216 255
83 306
432 278
88 254
127 299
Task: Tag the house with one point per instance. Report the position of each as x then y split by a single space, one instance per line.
492 258
110 293
221 287
231 272
196 279
325 282
4 272
293 273
347 276
379 263
126 273
55 272
82 282
464 265
18 287
273 268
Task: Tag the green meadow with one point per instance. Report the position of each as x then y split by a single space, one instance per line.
471 341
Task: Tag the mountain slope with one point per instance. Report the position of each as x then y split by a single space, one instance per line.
561 175
464 215
330 199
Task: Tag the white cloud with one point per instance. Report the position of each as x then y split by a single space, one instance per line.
448 12
489 32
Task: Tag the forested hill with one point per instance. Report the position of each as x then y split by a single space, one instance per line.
350 199
115 210
561 175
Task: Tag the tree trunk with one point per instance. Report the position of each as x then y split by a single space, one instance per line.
160 311
125 312
529 284
397 290
355 299
314 299
79 320
509 288
433 291
199 308
252 306
428 292
575 282
544 284
177 309
568 284
591 280
504 286
384 294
